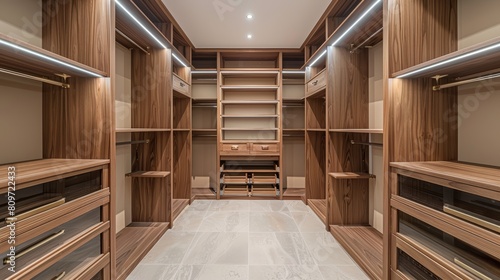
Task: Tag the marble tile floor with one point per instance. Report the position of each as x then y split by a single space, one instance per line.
254 240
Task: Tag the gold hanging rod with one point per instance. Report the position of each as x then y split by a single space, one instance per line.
131 41
464 82
133 142
35 78
366 143
367 39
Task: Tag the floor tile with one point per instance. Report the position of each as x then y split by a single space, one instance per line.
157 272
212 272
170 249
199 205
308 222
231 205
189 221
223 221
268 206
285 272
326 250
278 248
272 222
351 272
218 248
297 206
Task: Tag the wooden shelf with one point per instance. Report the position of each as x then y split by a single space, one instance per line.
177 206
250 87
302 130
249 116
316 129
250 171
364 244
351 175
148 174
359 130
36 171
294 192
133 243
246 102
204 129
480 176
13 57
250 70
181 129
202 193
249 129
134 130
487 60
319 208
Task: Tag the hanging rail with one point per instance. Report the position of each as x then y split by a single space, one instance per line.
131 41
464 82
133 142
366 143
367 39
43 80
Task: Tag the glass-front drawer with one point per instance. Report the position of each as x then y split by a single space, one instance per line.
481 211
34 249
457 253
75 263
413 269
39 198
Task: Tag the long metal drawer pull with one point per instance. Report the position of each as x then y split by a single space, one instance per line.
35 211
234 147
470 217
35 246
60 276
471 270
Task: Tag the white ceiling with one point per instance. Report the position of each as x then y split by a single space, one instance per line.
223 23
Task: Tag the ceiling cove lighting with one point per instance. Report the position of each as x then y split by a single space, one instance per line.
357 21
49 58
179 60
318 58
140 24
476 52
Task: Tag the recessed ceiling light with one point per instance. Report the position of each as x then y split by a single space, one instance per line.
249 36
249 16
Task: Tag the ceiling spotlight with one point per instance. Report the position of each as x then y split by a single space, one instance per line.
249 16
249 36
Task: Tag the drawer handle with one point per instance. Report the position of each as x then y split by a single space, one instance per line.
40 243
315 83
35 211
60 276
470 217
182 84
235 147
265 147
469 268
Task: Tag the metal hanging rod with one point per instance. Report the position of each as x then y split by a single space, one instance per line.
133 142
43 80
366 143
204 135
464 82
132 41
367 39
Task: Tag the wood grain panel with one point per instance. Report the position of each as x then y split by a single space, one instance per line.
318 206
152 200
316 112
420 30
182 144
181 113
151 87
348 89
64 35
315 165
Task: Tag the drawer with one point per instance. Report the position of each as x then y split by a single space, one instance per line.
265 148
181 86
36 249
264 180
234 149
316 83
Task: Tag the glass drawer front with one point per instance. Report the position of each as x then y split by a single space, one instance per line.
75 263
465 257
40 198
32 250
413 269
481 211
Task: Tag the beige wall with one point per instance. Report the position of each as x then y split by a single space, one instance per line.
20 99
479 103
376 121
123 153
